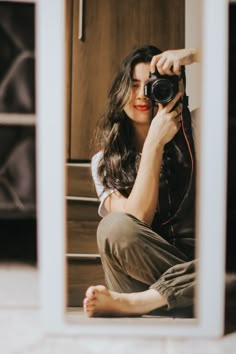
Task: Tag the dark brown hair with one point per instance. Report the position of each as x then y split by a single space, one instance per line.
114 134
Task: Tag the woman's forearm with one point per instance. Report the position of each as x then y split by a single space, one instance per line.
142 201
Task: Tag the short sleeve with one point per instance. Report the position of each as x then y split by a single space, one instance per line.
101 191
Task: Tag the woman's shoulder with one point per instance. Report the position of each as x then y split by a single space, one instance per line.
96 158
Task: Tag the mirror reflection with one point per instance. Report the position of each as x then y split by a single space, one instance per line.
131 192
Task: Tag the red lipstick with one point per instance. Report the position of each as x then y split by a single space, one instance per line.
142 108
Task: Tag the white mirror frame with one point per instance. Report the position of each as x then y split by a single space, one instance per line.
211 203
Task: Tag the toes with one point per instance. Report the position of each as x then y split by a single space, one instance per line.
85 302
89 307
94 299
100 289
88 304
90 292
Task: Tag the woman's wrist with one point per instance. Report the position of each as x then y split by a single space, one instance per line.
153 145
195 55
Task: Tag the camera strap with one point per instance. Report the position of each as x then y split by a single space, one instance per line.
191 156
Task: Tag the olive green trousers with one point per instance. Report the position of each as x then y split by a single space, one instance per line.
135 258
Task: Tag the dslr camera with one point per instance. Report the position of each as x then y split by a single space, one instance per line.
161 88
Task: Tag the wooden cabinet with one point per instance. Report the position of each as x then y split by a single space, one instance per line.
83 260
111 29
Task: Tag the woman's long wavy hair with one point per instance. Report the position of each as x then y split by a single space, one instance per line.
114 135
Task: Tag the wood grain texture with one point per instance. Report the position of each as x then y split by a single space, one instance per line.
82 211
82 237
82 222
80 182
68 59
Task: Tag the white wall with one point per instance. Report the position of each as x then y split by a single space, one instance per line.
193 29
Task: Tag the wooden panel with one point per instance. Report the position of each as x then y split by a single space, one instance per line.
82 237
82 222
68 46
111 30
81 274
82 211
80 182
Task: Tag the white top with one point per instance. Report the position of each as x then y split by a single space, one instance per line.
100 189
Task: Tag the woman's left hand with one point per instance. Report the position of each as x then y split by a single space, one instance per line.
166 123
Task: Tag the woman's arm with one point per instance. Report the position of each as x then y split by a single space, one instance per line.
170 61
142 201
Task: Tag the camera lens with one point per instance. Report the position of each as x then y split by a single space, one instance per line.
162 91
161 88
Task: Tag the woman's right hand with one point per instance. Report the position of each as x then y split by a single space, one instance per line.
170 61
166 122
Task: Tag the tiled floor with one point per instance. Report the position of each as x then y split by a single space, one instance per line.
21 331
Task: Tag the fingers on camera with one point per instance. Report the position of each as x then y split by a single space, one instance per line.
178 114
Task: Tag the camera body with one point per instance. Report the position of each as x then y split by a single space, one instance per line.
161 88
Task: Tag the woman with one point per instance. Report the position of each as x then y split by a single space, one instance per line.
144 177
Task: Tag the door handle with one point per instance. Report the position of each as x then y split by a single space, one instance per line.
81 20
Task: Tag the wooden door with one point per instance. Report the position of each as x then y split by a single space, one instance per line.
111 29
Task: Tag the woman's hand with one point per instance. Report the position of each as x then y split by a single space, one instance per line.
166 122
170 61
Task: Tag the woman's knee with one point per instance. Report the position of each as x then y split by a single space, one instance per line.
117 229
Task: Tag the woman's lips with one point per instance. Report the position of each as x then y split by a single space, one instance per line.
142 108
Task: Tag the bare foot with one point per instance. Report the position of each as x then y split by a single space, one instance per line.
101 302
